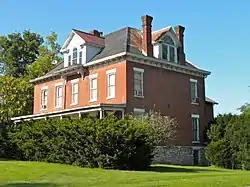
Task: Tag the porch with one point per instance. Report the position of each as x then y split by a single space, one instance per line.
99 111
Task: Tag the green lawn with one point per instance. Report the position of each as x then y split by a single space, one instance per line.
34 174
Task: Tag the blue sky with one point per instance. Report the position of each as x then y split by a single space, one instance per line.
216 37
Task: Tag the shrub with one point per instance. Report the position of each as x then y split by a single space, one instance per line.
229 145
161 128
105 143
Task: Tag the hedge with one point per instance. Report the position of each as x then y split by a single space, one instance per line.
107 143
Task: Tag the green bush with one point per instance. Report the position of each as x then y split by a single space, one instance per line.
105 143
8 150
229 145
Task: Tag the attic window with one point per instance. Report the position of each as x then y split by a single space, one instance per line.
169 49
74 59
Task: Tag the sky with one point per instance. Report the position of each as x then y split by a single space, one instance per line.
216 37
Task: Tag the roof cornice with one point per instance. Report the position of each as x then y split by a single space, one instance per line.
167 65
151 61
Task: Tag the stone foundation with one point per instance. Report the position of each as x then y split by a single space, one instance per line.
179 155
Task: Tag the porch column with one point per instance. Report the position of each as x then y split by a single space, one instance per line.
61 117
101 114
123 113
80 115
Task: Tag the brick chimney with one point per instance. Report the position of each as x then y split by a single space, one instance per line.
147 35
179 30
95 33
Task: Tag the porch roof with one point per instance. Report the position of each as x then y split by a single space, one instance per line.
78 110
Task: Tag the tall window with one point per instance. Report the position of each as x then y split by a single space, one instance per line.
194 91
195 123
169 50
93 87
58 96
80 57
138 82
74 59
111 83
74 100
69 60
44 98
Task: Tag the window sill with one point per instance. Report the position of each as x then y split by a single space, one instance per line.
94 100
58 107
73 104
110 97
139 96
43 110
195 141
194 103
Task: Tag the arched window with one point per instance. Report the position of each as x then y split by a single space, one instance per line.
74 59
169 50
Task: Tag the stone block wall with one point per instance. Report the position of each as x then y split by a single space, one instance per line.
178 155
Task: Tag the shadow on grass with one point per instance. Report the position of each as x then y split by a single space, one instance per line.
163 169
28 185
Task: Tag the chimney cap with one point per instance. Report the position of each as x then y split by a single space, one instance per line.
179 28
147 18
95 33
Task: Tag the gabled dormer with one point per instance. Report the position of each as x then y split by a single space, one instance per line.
80 47
166 44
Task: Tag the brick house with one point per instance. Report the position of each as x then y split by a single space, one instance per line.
130 71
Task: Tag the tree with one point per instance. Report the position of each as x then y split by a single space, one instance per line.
17 97
18 51
47 54
161 128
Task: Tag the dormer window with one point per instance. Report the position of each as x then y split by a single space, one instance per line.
74 59
169 49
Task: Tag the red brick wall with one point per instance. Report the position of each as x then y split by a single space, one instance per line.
84 89
209 112
170 93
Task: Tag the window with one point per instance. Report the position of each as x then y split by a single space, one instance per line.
80 57
69 60
111 83
169 50
138 82
93 87
58 96
195 124
44 98
74 59
194 91
196 156
74 100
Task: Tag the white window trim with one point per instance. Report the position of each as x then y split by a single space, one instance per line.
138 69
168 48
196 91
141 71
41 99
58 85
44 88
93 76
74 82
193 80
197 116
139 110
110 72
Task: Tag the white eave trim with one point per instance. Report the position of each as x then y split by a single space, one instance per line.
167 65
151 61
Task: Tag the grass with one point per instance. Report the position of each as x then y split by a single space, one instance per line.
35 174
